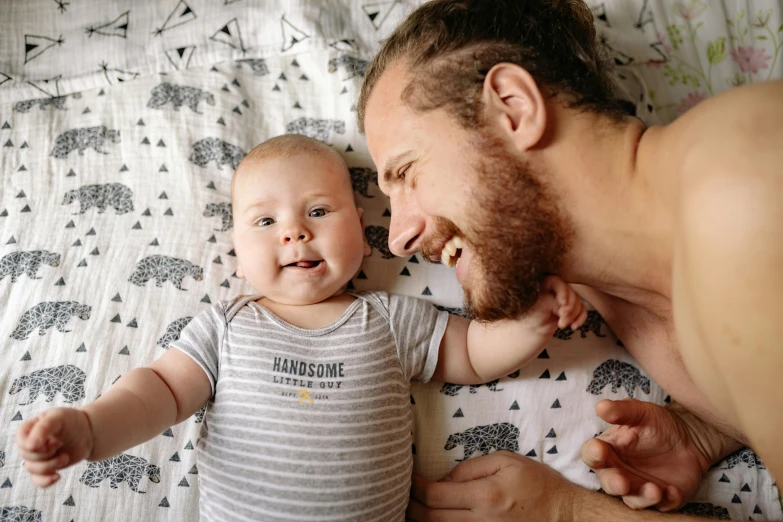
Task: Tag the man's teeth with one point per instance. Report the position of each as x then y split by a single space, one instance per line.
449 256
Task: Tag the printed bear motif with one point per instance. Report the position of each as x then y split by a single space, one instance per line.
217 150
118 469
353 66
178 95
501 436
164 268
592 324
47 314
378 237
115 195
17 263
58 102
706 510
618 373
315 128
453 389
223 210
83 139
257 65
173 330
19 514
743 456
67 380
361 178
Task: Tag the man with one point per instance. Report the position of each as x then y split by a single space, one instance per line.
499 141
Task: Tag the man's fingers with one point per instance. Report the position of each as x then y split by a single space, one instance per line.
420 513
480 467
444 495
597 454
614 482
649 495
46 467
627 412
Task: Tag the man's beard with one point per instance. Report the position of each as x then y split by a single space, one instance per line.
517 235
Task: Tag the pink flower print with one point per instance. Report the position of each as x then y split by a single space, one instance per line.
690 101
750 59
692 10
667 49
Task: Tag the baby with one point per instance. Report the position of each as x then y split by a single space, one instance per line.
307 384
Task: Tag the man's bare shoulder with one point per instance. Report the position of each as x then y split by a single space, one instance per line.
737 134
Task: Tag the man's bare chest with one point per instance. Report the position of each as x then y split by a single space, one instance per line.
652 341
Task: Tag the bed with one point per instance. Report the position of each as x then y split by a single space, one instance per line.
121 124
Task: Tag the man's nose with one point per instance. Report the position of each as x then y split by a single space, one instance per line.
405 230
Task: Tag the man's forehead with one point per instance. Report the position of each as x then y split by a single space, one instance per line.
387 115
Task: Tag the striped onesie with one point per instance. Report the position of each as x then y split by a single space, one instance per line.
310 425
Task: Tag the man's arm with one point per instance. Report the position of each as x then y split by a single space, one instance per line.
506 487
731 294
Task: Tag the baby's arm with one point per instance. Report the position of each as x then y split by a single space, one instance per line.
139 406
474 353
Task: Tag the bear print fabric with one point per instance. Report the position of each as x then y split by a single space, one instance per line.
121 124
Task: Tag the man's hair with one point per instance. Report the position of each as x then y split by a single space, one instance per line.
286 146
449 46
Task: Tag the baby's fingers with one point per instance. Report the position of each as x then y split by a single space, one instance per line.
47 430
44 481
47 467
580 320
569 314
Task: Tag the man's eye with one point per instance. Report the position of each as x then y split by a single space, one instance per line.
318 212
265 222
403 172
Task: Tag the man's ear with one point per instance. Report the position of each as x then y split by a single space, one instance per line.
367 247
515 104
240 274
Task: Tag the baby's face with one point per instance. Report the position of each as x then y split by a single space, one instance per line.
297 232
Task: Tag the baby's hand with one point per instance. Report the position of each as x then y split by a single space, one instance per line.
567 306
54 440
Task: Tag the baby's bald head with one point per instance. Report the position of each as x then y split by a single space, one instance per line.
285 147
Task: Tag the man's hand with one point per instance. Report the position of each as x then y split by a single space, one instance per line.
54 440
653 456
500 487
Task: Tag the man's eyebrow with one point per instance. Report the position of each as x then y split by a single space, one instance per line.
392 163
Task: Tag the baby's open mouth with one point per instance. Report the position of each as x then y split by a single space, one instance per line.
304 264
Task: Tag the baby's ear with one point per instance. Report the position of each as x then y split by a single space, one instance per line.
367 247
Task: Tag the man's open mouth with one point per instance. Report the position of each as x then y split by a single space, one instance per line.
452 251
304 264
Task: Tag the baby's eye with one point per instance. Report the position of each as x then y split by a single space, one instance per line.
318 212
265 222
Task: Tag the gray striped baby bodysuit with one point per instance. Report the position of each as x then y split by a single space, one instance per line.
310 425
